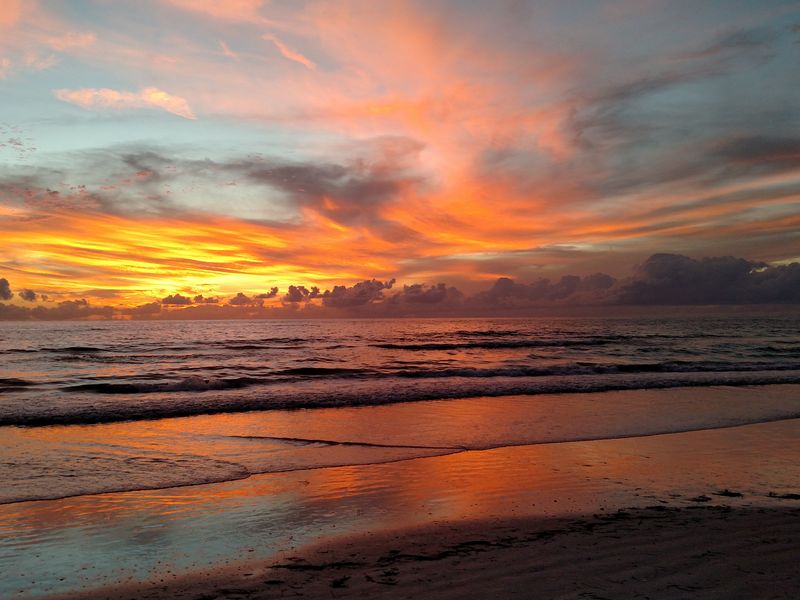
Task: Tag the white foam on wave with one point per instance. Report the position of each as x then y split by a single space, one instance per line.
220 397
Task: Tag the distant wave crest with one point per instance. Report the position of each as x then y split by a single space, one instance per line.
227 396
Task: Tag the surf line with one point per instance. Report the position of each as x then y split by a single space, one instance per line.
296 440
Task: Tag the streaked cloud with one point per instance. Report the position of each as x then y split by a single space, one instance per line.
432 143
235 10
289 53
72 40
227 51
106 98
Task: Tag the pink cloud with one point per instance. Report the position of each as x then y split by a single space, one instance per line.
227 51
289 53
5 67
73 39
150 97
231 10
36 62
10 11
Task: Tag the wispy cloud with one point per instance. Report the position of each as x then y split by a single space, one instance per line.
232 10
443 141
71 40
227 51
289 53
107 98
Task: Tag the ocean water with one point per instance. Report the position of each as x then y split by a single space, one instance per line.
91 407
97 372
294 423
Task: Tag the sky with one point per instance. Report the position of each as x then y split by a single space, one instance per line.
193 155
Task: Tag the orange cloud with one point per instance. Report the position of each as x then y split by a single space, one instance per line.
508 156
10 11
150 97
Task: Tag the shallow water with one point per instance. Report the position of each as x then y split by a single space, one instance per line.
69 460
89 541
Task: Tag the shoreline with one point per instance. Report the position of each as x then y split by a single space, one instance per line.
204 539
446 451
238 446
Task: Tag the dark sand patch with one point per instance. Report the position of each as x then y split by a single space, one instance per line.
708 551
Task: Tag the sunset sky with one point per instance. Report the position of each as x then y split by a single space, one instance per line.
200 147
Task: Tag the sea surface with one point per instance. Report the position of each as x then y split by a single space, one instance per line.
92 407
99 372
266 410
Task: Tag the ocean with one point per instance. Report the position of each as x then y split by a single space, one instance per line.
155 408
105 371
295 386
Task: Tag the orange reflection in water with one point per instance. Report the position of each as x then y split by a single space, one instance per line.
474 484
184 451
90 540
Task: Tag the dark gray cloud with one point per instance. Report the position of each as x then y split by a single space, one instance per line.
696 122
774 150
718 161
735 42
64 311
131 180
28 295
351 192
176 300
363 292
149 309
673 123
200 299
661 280
71 309
675 279
272 293
11 312
5 289
241 299
296 294
419 293
569 289
730 50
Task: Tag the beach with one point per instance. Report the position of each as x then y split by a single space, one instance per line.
423 457
706 513
403 299
653 552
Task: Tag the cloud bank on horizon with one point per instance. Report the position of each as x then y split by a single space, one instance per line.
662 280
204 157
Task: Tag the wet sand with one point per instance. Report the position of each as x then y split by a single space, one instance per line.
704 514
708 551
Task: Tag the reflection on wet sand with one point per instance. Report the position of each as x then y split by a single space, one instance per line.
91 540
52 462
